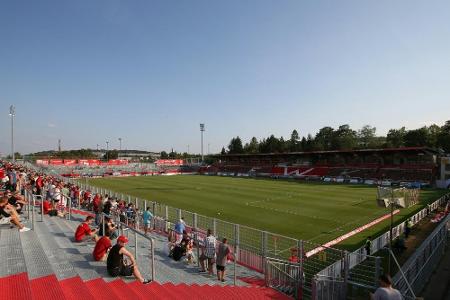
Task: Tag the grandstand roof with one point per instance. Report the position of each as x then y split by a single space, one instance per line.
385 150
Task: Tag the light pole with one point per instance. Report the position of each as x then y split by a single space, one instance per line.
107 149
97 148
208 148
202 129
12 113
120 144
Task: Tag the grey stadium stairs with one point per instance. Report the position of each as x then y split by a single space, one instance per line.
46 264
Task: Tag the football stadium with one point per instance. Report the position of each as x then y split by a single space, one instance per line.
229 150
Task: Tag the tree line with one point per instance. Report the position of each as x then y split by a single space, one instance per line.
346 138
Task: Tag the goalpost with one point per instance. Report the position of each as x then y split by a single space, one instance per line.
402 197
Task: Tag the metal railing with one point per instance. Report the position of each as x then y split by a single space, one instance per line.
419 267
329 288
284 277
379 243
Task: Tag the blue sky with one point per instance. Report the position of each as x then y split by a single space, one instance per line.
151 71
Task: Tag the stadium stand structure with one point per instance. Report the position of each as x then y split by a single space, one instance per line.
413 164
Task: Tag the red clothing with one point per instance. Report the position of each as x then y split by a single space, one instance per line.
39 182
82 230
47 207
96 203
101 247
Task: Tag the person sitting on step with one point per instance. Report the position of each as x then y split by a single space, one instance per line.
84 230
10 215
102 247
117 266
110 226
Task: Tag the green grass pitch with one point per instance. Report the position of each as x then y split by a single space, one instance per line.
317 212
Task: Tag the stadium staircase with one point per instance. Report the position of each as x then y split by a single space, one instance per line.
45 263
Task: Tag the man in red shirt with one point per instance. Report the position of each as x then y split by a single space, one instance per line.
47 207
84 230
102 247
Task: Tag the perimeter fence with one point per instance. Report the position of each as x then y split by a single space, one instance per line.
420 266
361 271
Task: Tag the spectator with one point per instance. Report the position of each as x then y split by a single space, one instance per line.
107 207
147 217
84 230
116 265
170 244
190 257
131 213
39 184
12 180
179 228
10 215
16 200
386 291
368 245
408 225
209 253
95 207
109 227
102 247
222 256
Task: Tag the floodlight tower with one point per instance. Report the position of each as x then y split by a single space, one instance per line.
202 129
120 144
107 149
12 113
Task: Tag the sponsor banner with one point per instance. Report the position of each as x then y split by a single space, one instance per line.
83 162
70 162
42 162
94 162
117 162
170 162
56 162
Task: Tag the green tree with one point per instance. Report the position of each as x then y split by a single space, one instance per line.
235 146
443 139
164 155
294 142
252 147
396 137
309 143
111 154
416 137
324 138
344 138
303 144
366 136
433 136
223 152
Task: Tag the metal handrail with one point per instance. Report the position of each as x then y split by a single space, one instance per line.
401 271
136 233
284 272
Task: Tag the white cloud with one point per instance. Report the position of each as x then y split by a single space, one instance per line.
51 125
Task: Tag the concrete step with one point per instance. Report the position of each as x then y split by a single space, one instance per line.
78 255
13 259
37 262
